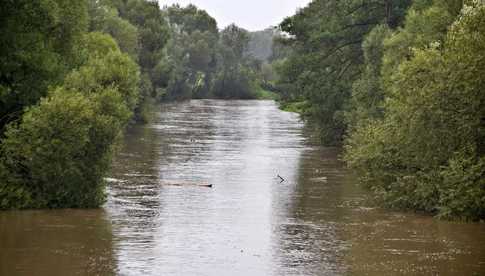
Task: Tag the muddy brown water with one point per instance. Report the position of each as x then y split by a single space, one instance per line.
161 219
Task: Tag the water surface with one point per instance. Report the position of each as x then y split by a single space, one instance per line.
161 219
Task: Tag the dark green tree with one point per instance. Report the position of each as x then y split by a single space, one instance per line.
327 56
58 153
190 55
234 78
190 19
37 48
106 19
427 151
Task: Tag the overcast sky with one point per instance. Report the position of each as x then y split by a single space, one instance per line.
253 15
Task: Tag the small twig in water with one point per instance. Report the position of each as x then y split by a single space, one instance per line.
282 179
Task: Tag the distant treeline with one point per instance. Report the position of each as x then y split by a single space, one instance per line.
74 74
202 62
401 85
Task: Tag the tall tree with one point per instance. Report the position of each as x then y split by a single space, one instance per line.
144 21
427 152
327 58
105 18
57 155
234 76
191 53
37 49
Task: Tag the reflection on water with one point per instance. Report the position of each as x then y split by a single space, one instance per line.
160 219
370 241
240 148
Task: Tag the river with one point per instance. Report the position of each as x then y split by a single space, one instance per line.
161 218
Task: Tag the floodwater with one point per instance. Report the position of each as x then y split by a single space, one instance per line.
161 218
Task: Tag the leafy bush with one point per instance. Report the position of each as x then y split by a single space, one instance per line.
58 154
114 69
463 187
427 153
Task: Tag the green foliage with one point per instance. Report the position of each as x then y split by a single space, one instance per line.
107 20
463 188
367 98
426 153
426 22
261 43
145 110
296 107
111 70
234 42
95 44
190 60
190 19
57 153
235 76
327 57
141 30
404 86
263 94
235 84
201 62
189 64
57 156
36 50
152 29
268 73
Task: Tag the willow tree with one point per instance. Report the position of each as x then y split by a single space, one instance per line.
57 155
327 57
190 60
427 152
234 77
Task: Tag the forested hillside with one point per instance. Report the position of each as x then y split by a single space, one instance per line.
401 85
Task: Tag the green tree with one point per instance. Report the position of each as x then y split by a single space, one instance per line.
107 68
105 18
57 155
367 94
234 78
327 57
426 22
427 153
36 50
152 28
190 54
153 35
261 43
190 19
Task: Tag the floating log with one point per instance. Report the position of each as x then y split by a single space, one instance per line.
188 185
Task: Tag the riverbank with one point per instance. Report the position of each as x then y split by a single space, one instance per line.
316 222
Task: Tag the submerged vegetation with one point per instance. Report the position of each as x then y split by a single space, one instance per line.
401 85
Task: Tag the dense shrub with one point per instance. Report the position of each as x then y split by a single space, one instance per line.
58 154
427 153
